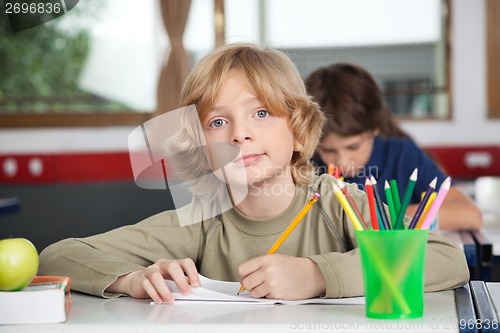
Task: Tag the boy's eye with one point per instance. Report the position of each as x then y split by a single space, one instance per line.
262 113
328 150
353 147
217 123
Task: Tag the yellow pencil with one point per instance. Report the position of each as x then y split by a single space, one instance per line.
426 210
347 207
290 227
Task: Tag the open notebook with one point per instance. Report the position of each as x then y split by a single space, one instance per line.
223 291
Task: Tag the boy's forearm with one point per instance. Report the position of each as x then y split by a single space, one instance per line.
121 284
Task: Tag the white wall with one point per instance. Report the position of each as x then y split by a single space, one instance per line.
469 125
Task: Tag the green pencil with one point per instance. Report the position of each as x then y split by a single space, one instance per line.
390 203
395 195
406 199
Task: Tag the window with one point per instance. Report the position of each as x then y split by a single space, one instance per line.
103 59
96 65
403 43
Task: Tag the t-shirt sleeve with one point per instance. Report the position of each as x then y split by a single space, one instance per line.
93 263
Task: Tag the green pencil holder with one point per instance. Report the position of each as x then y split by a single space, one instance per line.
393 263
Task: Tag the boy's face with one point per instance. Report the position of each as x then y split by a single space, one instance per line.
265 141
349 153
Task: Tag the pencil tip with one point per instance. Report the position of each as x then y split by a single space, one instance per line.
433 182
373 180
414 174
447 182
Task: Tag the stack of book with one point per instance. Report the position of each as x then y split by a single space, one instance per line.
45 300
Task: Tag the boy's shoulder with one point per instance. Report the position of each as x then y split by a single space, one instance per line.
323 184
396 143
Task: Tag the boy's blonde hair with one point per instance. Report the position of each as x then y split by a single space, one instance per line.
275 80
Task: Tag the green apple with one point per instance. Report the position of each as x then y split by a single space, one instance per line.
18 263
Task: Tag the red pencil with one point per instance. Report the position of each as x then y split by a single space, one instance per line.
371 203
342 187
333 170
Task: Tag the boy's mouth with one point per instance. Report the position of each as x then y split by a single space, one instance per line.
248 159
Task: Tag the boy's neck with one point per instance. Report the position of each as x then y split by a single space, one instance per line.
263 202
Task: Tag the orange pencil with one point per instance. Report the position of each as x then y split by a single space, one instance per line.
333 170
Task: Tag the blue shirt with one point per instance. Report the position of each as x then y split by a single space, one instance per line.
395 158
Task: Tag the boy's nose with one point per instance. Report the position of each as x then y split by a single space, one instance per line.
241 134
342 160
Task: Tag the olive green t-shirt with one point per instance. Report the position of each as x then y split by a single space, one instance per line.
219 245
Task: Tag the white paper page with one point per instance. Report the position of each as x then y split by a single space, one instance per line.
223 291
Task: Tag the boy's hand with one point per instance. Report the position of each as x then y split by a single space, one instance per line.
149 282
282 277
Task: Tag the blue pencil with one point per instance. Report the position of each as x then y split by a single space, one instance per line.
431 188
380 205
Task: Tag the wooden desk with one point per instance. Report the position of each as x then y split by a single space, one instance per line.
93 314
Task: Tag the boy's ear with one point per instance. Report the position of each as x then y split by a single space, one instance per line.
376 131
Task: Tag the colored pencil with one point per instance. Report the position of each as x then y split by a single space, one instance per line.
371 203
406 199
426 210
347 207
390 204
443 191
290 228
380 222
333 170
380 205
395 195
344 190
294 223
420 209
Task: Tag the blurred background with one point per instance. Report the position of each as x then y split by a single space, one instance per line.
74 88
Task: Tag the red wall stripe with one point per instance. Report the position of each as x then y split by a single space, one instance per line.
66 168
468 162
459 162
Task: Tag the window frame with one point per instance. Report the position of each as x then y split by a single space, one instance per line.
73 120
492 55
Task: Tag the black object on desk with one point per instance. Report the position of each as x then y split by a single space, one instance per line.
485 310
9 205
485 253
465 310
470 251
469 248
